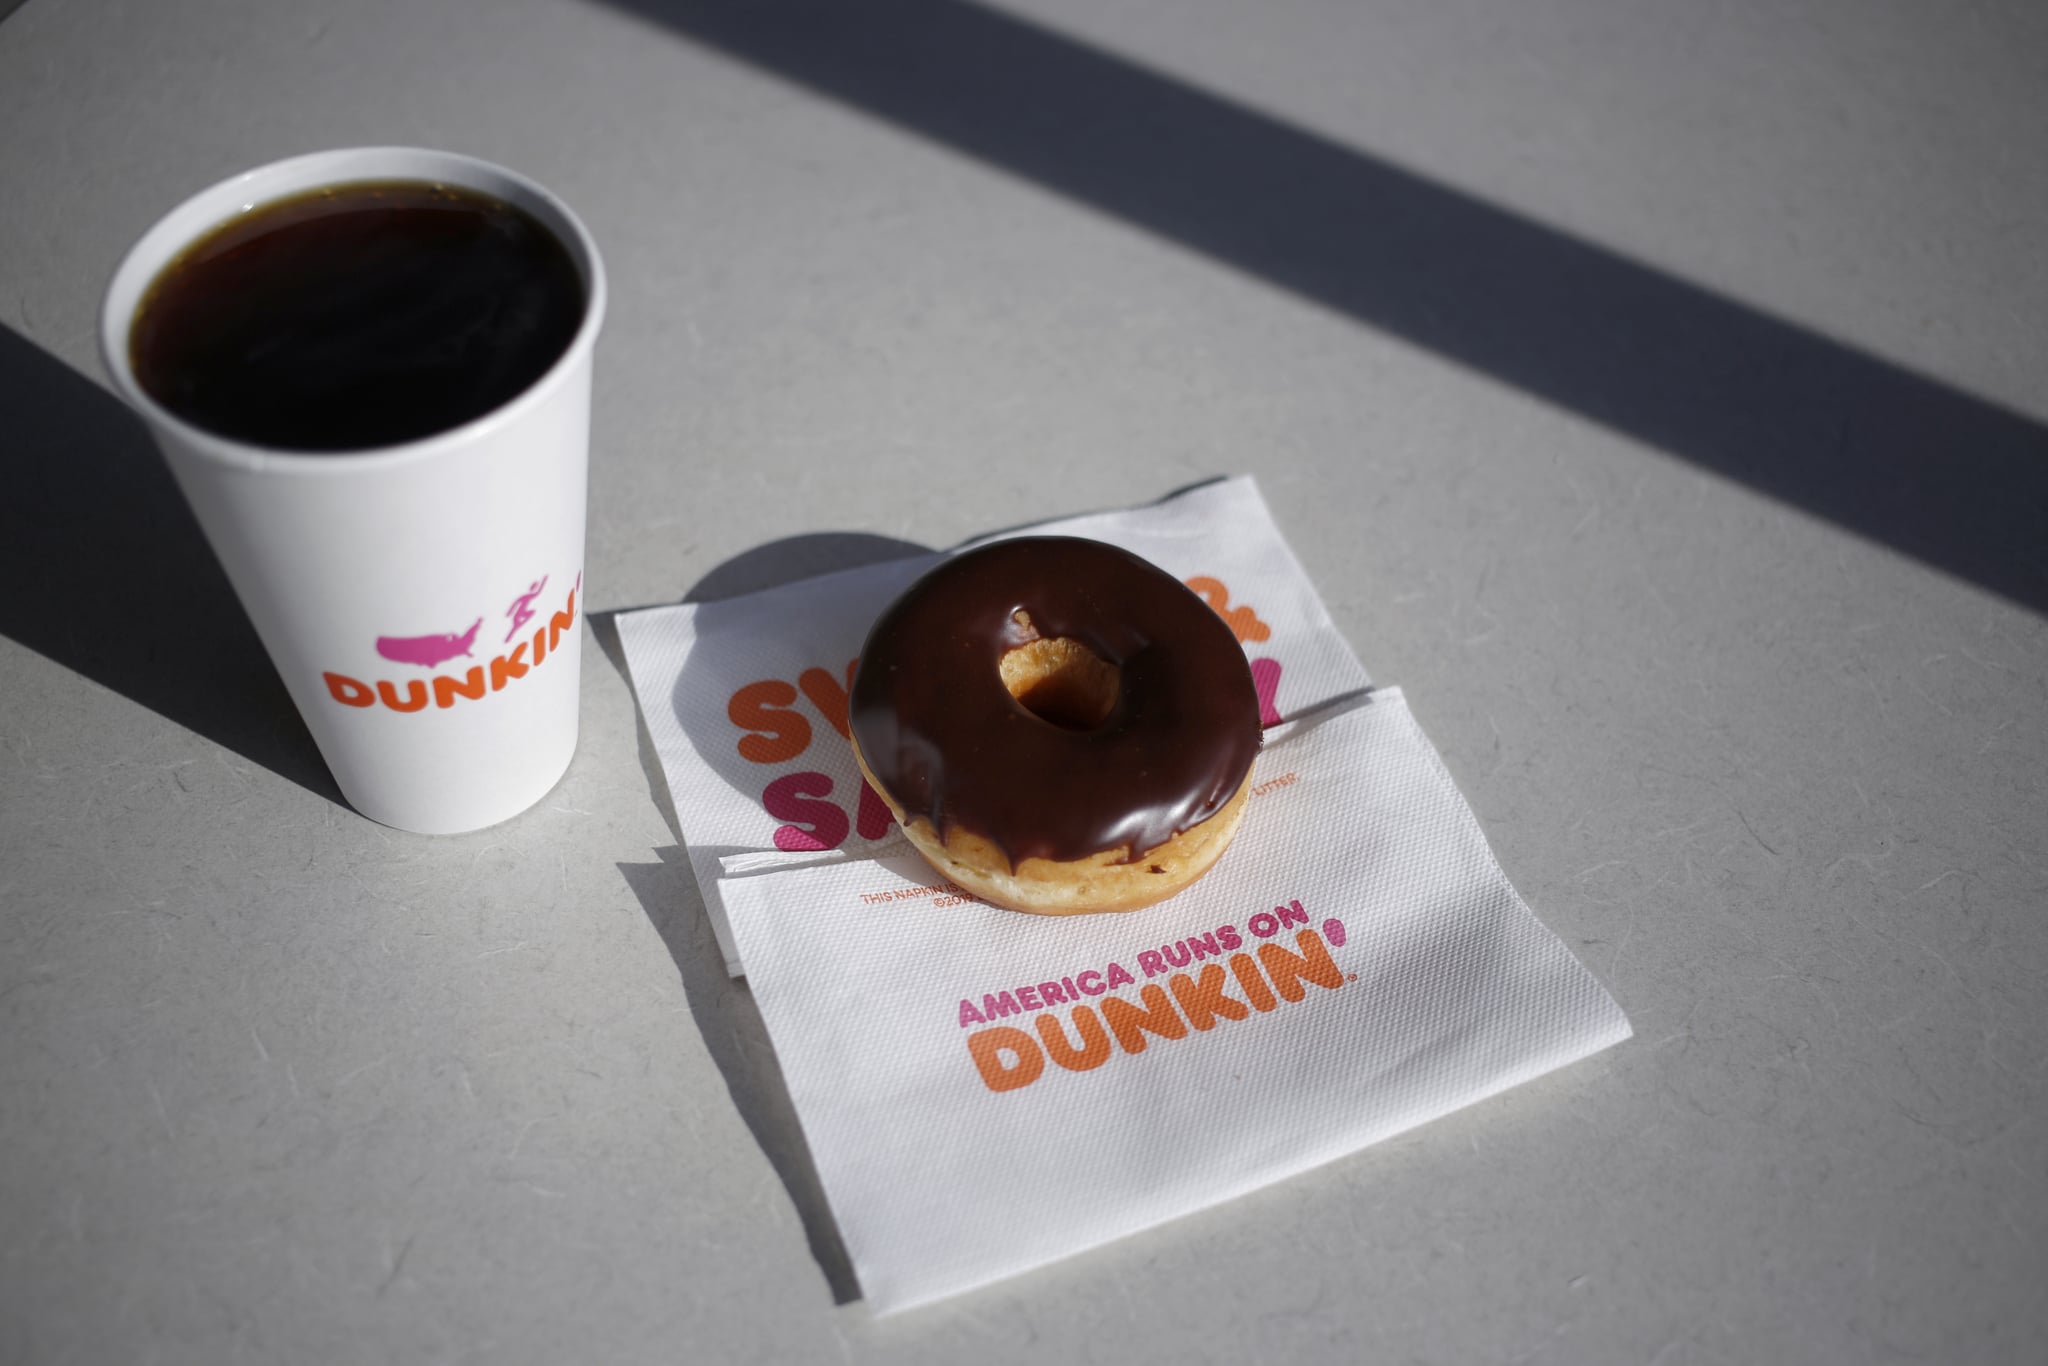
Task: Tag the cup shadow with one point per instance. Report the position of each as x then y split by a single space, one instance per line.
109 575
722 1006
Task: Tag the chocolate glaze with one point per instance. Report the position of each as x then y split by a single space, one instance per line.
942 734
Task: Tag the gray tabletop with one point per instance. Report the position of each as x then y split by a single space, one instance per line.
1653 391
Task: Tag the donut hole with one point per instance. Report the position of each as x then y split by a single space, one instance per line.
1062 682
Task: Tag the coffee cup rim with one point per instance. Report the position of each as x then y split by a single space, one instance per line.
220 202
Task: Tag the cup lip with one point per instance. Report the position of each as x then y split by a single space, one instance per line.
208 208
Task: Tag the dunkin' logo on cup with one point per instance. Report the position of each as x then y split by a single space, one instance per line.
435 649
1080 1020
812 813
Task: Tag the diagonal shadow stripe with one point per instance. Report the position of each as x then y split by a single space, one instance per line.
1935 473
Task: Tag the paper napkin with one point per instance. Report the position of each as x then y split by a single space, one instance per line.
985 1092
745 698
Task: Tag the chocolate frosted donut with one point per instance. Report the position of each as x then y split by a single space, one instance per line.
1059 725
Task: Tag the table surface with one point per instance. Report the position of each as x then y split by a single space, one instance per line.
1653 390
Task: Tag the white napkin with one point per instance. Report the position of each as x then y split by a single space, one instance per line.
1356 965
745 698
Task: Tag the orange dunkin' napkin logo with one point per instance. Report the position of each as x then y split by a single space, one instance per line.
432 651
1079 1022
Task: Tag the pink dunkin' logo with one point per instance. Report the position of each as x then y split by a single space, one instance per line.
432 651
428 651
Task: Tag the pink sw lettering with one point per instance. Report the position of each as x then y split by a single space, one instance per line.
1266 683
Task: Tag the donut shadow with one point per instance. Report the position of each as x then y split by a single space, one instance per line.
705 718
806 652
775 564
722 1006
795 558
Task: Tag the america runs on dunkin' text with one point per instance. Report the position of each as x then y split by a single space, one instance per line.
1078 1021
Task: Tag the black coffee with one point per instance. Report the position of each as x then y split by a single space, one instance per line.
356 316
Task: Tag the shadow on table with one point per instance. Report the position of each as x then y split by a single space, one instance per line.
737 1040
107 573
1907 461
722 1006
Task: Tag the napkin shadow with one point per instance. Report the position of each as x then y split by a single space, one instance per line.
604 629
723 1007
737 1040
108 575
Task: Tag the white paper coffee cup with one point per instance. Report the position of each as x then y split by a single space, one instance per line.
423 601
